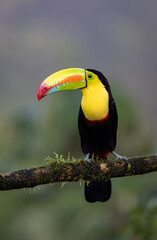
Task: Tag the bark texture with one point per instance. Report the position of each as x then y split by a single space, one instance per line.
60 170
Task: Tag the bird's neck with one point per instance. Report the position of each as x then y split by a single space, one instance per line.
95 102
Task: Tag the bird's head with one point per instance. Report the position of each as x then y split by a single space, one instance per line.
69 79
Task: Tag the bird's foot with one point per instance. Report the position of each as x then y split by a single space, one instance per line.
87 159
119 156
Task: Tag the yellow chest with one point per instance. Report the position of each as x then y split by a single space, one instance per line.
95 102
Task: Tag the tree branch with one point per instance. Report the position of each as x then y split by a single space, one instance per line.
60 170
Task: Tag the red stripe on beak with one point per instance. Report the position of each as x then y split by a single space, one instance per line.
43 90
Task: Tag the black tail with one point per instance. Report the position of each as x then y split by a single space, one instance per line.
98 191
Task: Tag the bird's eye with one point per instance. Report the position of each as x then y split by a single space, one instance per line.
89 75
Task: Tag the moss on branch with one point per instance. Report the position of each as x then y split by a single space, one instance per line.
61 170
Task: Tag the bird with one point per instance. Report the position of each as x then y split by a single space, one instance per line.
97 119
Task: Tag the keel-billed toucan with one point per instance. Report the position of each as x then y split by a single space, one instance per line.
97 120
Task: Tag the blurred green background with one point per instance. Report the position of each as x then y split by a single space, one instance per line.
38 38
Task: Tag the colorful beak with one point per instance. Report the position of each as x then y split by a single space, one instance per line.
67 79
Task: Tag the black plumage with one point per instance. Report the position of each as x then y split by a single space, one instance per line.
99 138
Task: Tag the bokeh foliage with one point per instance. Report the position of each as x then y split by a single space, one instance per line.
55 212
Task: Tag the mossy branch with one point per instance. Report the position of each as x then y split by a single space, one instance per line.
60 170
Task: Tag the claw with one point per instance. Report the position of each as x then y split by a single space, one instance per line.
87 159
119 156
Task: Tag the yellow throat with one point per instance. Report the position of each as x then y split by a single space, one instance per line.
95 101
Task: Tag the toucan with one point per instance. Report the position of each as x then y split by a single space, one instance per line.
97 119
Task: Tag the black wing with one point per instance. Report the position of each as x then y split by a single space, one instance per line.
114 119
